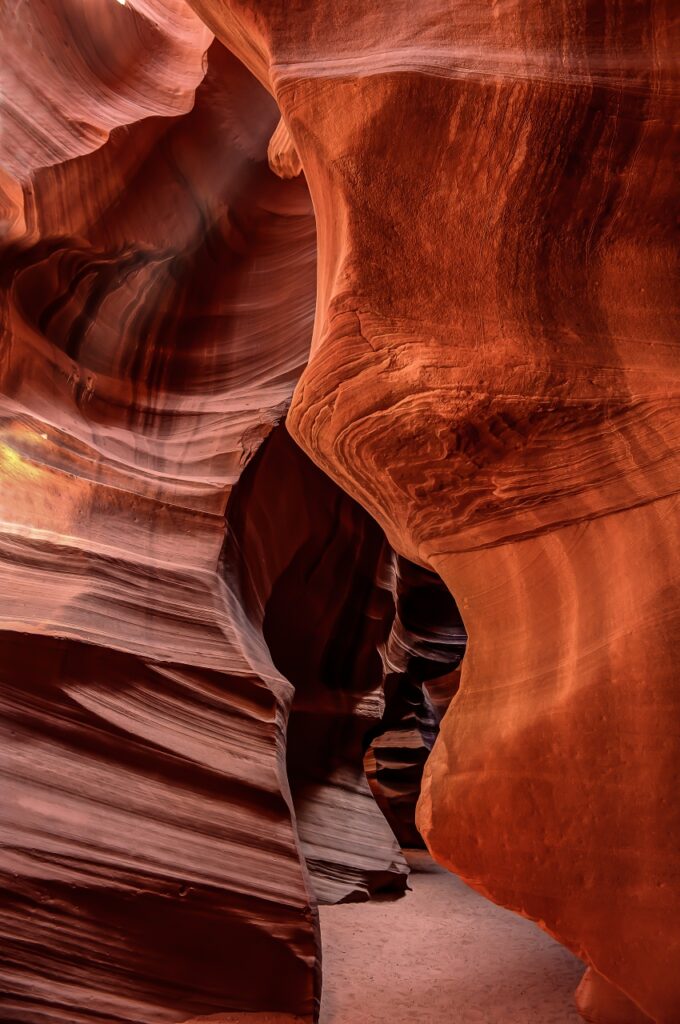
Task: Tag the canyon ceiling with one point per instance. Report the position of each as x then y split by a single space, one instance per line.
335 336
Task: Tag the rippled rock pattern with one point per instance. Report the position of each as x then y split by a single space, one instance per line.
493 375
422 658
169 826
485 270
158 295
310 568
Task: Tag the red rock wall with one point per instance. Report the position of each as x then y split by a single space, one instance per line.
138 882
494 376
158 295
356 631
421 657
307 567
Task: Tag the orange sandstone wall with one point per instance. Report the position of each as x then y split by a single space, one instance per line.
494 376
485 271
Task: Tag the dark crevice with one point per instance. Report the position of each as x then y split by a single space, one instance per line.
422 659
372 645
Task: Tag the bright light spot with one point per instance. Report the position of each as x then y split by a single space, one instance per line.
12 464
122 3
44 437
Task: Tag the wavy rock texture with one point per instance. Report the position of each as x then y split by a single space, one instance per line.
74 71
157 309
145 833
164 689
425 646
357 632
309 568
494 377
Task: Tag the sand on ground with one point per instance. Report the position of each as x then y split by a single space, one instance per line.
440 955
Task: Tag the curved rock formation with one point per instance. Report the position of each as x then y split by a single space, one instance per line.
425 648
357 632
600 1002
158 296
308 568
493 376
157 306
74 71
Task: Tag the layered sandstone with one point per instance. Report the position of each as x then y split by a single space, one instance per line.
158 294
422 656
494 376
309 568
194 630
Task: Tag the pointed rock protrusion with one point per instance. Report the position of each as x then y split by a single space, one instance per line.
282 154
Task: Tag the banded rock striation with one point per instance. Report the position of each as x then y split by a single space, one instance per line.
193 629
309 568
157 307
422 658
356 631
494 376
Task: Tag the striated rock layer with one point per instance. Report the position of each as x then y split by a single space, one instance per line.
149 863
494 376
194 636
422 658
158 296
308 566
356 631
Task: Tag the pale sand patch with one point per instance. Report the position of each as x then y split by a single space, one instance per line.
442 955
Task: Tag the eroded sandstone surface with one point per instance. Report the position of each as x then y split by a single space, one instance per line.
494 376
156 314
438 239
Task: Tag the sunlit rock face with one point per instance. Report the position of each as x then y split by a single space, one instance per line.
467 210
195 630
494 376
158 296
74 71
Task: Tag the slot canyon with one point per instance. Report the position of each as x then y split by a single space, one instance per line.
339 437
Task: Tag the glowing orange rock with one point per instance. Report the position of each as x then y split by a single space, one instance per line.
494 376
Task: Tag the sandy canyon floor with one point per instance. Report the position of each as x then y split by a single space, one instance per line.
441 954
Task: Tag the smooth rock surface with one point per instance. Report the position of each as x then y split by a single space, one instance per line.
475 206
494 375
156 313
